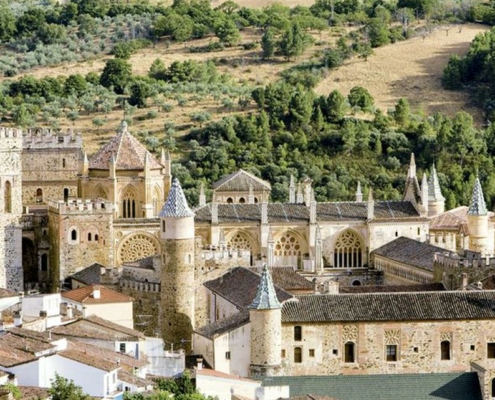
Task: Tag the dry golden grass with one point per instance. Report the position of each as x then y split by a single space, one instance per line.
410 69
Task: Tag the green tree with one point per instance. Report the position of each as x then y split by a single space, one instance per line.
292 42
22 116
140 91
117 73
95 8
335 106
7 22
75 84
52 33
157 69
268 44
452 73
65 389
31 21
227 32
402 112
378 32
360 97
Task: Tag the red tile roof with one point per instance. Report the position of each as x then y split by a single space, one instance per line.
86 295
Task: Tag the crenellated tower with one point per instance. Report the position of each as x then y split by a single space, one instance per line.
11 275
177 280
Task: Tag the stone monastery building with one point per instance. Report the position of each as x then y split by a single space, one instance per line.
64 213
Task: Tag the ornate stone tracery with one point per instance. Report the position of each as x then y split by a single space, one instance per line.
240 242
392 336
349 333
348 251
136 247
287 245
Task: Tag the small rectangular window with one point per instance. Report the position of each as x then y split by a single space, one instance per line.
122 347
349 351
490 350
227 355
473 347
311 352
445 350
391 352
283 353
297 333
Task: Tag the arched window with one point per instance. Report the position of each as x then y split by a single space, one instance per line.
44 262
298 333
96 237
348 251
242 200
445 350
73 234
297 355
63 162
89 236
7 197
255 200
229 200
350 352
288 251
129 204
240 241
39 195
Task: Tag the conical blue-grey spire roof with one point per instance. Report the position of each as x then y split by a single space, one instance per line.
477 205
176 205
266 297
434 191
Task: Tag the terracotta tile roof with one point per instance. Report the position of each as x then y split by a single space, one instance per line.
129 153
419 306
74 353
240 181
97 328
488 283
287 278
455 220
218 374
85 295
44 337
224 325
126 361
90 275
427 287
410 252
18 350
127 377
239 286
288 212
33 393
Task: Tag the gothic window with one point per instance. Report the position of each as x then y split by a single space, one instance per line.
298 355
8 197
445 350
137 247
157 202
348 251
39 195
288 251
240 241
129 204
73 234
349 352
297 333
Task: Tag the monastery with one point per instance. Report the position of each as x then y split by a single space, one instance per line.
118 218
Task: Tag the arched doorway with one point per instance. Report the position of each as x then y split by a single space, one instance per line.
29 263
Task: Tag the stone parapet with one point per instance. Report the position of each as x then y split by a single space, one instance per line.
46 138
80 205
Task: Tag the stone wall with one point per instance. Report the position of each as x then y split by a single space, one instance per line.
91 243
418 347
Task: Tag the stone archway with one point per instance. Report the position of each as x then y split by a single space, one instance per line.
137 246
289 250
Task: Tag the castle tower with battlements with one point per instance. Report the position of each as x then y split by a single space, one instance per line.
178 270
11 274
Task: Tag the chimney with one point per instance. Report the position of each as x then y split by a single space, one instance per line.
199 364
17 318
69 311
479 285
464 281
332 287
96 293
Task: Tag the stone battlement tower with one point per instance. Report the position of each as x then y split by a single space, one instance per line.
11 275
178 276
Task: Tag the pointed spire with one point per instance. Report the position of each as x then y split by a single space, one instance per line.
477 205
434 191
162 157
123 126
412 167
266 297
371 205
292 190
202 196
85 158
299 198
424 190
176 205
359 193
